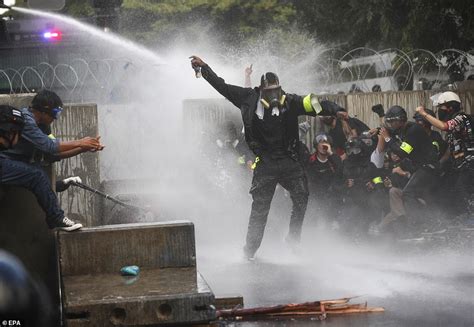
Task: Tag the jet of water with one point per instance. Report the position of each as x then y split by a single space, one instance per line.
94 31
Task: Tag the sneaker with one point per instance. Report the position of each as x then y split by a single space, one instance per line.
68 225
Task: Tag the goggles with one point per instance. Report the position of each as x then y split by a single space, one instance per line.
56 112
353 150
392 123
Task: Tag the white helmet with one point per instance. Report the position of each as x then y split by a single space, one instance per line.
448 96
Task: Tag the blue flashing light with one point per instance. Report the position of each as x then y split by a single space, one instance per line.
52 35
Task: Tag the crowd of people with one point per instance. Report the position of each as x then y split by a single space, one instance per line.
400 178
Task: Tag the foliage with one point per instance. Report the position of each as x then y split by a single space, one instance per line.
379 24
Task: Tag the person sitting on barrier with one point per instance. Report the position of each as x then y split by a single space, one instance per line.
21 167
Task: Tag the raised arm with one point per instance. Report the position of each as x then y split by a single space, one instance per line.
233 93
248 74
441 125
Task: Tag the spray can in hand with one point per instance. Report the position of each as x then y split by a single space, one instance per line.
197 70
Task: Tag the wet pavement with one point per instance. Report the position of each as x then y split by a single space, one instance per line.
417 287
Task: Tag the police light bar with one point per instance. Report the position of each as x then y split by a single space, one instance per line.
52 35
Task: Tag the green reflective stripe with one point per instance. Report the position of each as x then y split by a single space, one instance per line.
241 160
254 165
265 103
311 104
406 147
307 103
436 144
377 180
52 137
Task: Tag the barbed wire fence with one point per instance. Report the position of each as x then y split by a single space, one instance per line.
79 81
105 80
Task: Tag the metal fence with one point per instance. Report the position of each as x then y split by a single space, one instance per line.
105 80
79 80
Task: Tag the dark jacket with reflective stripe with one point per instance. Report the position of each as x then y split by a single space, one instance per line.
416 145
246 100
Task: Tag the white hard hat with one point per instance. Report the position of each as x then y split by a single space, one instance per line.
435 98
447 97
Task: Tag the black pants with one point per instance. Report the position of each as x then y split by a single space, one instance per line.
464 190
419 186
267 174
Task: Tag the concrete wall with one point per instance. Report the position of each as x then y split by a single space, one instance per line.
77 121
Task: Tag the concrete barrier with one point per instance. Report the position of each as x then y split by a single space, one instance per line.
167 290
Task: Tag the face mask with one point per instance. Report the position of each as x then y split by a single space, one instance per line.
272 97
443 115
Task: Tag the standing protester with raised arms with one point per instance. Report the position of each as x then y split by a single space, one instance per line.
270 118
21 165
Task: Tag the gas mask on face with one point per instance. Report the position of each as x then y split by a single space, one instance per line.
272 97
271 94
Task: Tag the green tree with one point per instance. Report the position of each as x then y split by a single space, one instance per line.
234 20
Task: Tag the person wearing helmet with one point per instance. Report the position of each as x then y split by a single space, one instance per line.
324 175
11 126
460 138
362 189
270 118
440 145
20 165
414 144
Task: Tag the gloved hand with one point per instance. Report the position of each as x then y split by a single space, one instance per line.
74 179
378 109
330 108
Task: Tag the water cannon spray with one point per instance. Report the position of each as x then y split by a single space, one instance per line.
4 6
